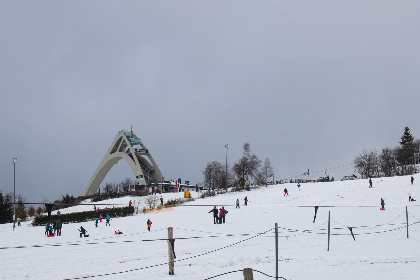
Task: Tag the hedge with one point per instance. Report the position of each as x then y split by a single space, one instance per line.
78 217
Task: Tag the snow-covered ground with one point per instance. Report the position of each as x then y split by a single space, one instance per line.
204 249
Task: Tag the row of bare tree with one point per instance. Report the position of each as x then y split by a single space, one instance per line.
400 160
247 169
118 186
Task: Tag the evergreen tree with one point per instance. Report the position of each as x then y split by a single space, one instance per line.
21 210
405 154
6 208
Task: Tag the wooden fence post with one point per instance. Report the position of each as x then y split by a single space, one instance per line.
248 274
170 251
277 249
406 217
329 229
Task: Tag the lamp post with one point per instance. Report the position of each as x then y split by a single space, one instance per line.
227 147
14 192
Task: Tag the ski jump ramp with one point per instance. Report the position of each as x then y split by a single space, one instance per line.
129 147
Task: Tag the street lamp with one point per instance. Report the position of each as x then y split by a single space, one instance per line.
14 192
227 147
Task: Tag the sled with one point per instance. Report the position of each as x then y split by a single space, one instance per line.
381 208
50 235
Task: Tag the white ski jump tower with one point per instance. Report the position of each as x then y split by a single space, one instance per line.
123 147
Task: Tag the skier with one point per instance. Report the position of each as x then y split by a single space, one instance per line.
370 182
237 203
59 226
107 220
83 232
215 213
286 193
409 196
161 201
383 204
94 207
149 224
18 220
129 203
246 200
298 185
100 218
412 179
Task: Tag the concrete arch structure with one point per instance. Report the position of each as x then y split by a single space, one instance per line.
124 147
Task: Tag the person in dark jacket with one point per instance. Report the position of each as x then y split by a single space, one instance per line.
412 179
215 214
54 227
149 224
59 226
370 182
383 204
246 201
83 232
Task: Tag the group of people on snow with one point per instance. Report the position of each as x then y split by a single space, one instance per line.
219 214
54 228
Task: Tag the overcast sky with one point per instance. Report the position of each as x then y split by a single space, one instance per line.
309 84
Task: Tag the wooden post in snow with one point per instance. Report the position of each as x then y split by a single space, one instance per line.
406 217
329 229
170 251
248 274
277 249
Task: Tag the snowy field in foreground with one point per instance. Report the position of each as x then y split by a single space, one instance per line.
381 250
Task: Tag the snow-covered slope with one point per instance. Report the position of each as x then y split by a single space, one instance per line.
204 249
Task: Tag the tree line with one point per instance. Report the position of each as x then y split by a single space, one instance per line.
399 160
247 169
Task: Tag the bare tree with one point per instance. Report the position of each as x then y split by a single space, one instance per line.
31 211
214 175
151 200
126 183
367 164
266 171
247 166
387 162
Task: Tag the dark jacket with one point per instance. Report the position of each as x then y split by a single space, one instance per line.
215 212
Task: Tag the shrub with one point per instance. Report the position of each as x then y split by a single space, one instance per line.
78 217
